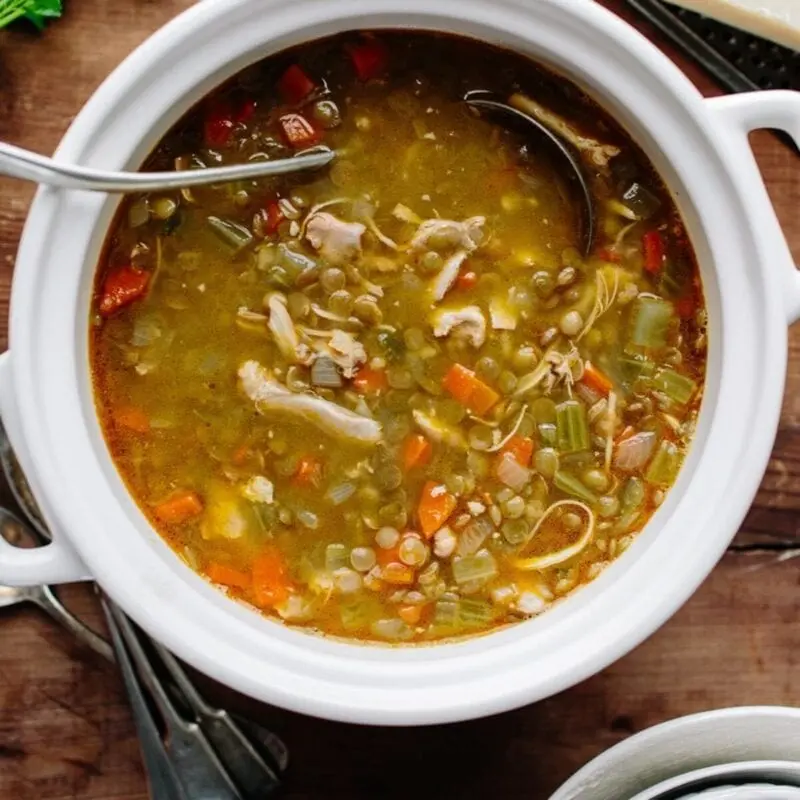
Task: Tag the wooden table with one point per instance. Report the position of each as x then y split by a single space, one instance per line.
65 730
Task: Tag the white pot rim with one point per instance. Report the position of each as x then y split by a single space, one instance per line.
46 403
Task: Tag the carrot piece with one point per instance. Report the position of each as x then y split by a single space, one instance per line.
416 451
181 507
298 131
240 454
308 473
627 432
435 505
369 58
121 287
653 247
397 574
466 280
595 379
410 614
228 576
520 447
609 254
687 305
270 582
294 85
389 555
469 390
132 418
370 381
272 216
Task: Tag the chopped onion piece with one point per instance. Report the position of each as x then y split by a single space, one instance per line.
635 451
511 473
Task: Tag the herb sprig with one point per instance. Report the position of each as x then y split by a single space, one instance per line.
36 11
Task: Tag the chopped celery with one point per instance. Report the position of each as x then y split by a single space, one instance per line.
475 612
677 387
355 616
336 556
649 321
445 613
666 462
547 434
480 567
569 484
633 493
231 233
573 432
635 368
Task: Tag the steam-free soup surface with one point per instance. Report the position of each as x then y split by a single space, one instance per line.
392 400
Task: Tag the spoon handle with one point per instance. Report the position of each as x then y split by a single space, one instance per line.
18 163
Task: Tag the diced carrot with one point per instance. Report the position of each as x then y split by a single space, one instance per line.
270 580
308 473
627 432
466 280
370 381
228 576
369 58
121 287
240 454
435 506
609 254
686 306
181 507
298 131
416 451
469 390
132 418
294 85
521 447
653 247
390 555
410 614
595 379
397 574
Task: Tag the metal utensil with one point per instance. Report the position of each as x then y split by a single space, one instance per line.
487 102
16 162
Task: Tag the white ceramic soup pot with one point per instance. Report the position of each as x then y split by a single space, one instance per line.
753 292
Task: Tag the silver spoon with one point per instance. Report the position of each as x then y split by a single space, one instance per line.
18 163
485 101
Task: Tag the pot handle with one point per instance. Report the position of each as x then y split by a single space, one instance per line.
55 562
750 111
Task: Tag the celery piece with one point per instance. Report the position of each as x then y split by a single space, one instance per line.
231 233
547 434
569 484
474 612
445 613
354 616
635 368
572 430
649 321
677 387
336 557
633 493
664 467
479 567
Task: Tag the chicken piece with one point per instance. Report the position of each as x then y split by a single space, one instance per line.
439 431
270 396
439 234
259 490
502 314
598 153
283 331
467 322
444 281
335 240
347 352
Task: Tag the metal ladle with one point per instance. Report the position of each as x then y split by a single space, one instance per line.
487 102
16 162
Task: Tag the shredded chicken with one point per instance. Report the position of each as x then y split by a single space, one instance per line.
439 431
269 395
335 240
467 322
600 154
502 314
554 368
259 490
283 331
347 352
434 234
442 283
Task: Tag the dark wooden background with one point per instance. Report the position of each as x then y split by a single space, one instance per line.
65 729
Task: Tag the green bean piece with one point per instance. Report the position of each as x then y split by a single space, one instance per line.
232 234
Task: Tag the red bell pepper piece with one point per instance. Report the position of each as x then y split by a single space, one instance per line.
273 216
653 246
369 58
121 287
294 85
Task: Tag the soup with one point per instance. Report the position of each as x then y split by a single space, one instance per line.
392 400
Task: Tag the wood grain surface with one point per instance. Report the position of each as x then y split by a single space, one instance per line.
65 729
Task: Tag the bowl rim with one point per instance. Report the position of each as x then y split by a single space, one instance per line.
61 447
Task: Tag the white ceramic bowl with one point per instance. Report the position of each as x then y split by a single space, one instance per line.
699 146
